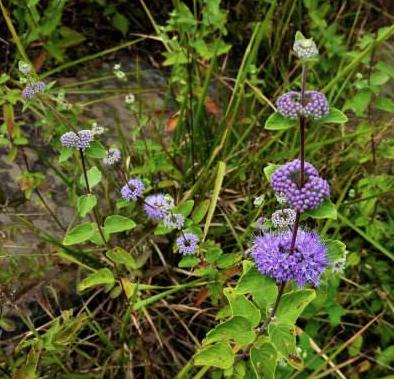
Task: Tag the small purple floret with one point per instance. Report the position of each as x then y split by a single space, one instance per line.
157 206
305 264
132 190
187 243
286 182
315 105
173 220
113 156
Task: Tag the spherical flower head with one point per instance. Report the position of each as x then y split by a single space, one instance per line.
314 105
85 138
39 86
132 190
173 220
283 218
69 139
158 205
305 48
286 182
304 264
113 156
187 243
28 92
288 105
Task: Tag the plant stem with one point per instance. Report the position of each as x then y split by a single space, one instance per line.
38 193
274 309
298 214
95 214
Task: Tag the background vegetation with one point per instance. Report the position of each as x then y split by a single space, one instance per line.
205 76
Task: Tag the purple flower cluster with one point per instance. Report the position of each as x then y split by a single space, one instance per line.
314 105
132 190
79 140
158 205
286 182
187 243
30 90
304 264
113 156
173 220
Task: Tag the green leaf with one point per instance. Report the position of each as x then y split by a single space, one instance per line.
283 338
241 306
200 211
269 170
228 260
335 116
262 288
96 150
121 256
184 209
335 249
292 305
326 210
359 102
237 329
117 223
100 277
65 154
299 36
78 234
218 355
264 361
121 23
189 261
94 177
174 57
277 122
379 78
86 203
213 253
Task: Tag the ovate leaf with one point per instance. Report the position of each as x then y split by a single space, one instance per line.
327 209
277 122
94 177
237 329
79 234
117 223
335 116
336 249
283 338
96 150
241 306
86 203
188 261
262 288
100 277
218 355
292 305
264 361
